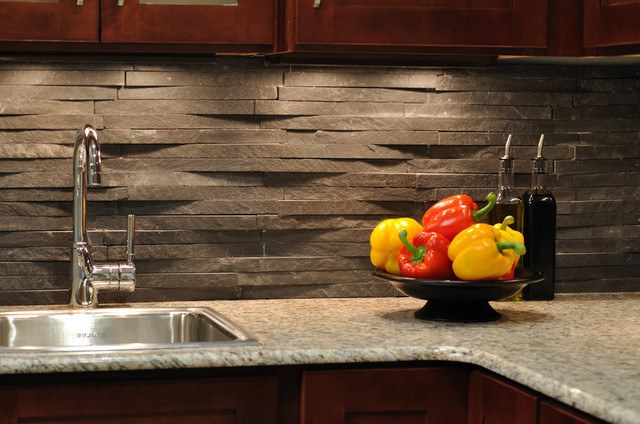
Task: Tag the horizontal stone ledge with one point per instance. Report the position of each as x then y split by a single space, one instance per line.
320 290
178 136
62 77
212 92
169 78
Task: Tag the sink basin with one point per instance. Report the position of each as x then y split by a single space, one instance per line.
119 329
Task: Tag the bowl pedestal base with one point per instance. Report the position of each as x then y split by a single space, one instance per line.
457 311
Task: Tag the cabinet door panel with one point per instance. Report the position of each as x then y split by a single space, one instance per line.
468 23
384 396
57 20
611 22
241 400
250 23
553 413
495 401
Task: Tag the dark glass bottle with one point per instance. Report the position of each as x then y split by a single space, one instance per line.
540 231
507 202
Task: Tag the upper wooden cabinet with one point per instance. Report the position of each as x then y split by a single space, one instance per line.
235 26
417 26
46 20
229 25
612 26
388 29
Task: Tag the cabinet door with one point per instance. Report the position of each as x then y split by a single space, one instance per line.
611 23
242 400
384 396
554 413
231 25
414 25
49 20
496 401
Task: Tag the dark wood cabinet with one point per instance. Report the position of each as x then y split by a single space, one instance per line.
381 394
248 25
417 26
382 29
494 400
241 400
554 413
183 26
61 20
612 26
384 396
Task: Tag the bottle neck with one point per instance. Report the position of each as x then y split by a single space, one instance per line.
505 183
538 173
538 181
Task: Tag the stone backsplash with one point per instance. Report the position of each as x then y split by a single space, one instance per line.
254 181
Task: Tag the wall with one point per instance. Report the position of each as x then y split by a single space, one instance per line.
265 182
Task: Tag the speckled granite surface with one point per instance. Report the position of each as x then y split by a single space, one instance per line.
583 350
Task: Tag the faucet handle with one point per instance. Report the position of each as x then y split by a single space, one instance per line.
131 229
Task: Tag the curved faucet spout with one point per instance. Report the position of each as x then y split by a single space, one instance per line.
87 277
94 163
86 173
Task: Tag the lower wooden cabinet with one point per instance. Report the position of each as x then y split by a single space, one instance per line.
550 412
439 393
384 396
242 400
495 400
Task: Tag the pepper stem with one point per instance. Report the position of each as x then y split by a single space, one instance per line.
491 201
508 220
417 253
517 247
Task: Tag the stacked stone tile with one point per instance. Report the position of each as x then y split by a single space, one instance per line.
253 181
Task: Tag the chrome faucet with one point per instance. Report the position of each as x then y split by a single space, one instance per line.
88 278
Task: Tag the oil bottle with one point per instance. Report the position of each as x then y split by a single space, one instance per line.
507 202
540 230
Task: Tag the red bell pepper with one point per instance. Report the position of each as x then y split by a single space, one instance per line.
426 257
455 213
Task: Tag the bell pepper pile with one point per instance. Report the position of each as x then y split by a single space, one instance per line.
450 243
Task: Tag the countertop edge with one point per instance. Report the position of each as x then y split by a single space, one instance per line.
175 359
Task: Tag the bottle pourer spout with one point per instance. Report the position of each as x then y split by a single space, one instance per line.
507 149
540 143
539 162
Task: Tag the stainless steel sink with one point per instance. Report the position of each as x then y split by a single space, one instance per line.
119 329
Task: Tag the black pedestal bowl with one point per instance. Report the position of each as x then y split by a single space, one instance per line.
461 301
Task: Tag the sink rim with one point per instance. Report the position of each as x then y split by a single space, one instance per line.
242 337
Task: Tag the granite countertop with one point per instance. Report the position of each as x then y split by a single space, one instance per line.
580 349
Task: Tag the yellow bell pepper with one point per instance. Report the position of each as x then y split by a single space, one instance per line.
386 244
478 253
507 233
